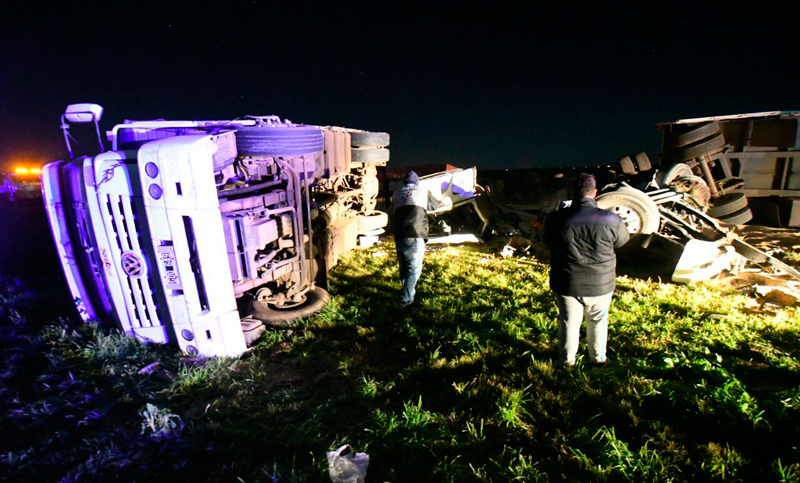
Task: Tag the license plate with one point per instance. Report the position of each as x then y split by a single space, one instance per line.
169 270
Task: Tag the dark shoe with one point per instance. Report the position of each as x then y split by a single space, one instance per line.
599 365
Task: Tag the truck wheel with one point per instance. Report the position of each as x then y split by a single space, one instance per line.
371 221
738 218
636 209
370 155
643 162
727 204
288 316
626 165
278 140
706 146
668 175
378 232
692 134
362 139
370 187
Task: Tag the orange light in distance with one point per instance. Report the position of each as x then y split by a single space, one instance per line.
21 170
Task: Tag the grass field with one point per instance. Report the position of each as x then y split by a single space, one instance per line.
701 386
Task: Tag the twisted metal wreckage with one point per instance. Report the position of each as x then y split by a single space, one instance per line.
201 233
699 195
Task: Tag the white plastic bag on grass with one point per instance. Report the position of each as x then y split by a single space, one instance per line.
347 468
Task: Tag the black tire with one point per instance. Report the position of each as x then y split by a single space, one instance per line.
278 140
691 134
738 218
275 317
638 211
706 146
626 165
371 221
643 162
362 139
727 204
370 155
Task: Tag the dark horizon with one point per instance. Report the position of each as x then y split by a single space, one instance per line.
484 85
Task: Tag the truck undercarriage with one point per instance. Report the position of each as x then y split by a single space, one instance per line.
201 232
708 169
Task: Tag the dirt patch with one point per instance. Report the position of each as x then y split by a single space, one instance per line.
761 280
782 243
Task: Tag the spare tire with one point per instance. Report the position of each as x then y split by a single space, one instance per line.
378 232
370 155
278 140
361 139
371 221
688 134
274 316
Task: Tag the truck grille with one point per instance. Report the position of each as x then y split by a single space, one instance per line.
137 291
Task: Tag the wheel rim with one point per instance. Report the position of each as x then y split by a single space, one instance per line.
289 305
637 210
632 220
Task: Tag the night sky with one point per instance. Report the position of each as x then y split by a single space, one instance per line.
485 84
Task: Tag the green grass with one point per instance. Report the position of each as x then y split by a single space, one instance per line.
700 387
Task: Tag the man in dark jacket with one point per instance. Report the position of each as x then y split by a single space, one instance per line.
583 264
410 233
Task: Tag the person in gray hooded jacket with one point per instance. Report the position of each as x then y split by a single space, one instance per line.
410 233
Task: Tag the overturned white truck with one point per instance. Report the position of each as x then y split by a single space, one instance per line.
199 233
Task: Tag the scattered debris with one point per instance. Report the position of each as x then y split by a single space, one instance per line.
454 239
155 369
148 369
517 246
349 467
781 296
702 260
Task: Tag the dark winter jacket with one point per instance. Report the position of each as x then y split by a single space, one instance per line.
410 212
582 239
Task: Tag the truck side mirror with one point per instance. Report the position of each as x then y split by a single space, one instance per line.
81 113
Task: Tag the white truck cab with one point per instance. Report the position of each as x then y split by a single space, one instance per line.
200 233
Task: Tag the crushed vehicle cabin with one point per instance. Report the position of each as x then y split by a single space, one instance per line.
199 233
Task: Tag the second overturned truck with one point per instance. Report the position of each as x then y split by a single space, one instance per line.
201 232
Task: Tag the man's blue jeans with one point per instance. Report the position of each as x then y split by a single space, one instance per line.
409 255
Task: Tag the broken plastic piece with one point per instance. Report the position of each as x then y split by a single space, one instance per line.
347 468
